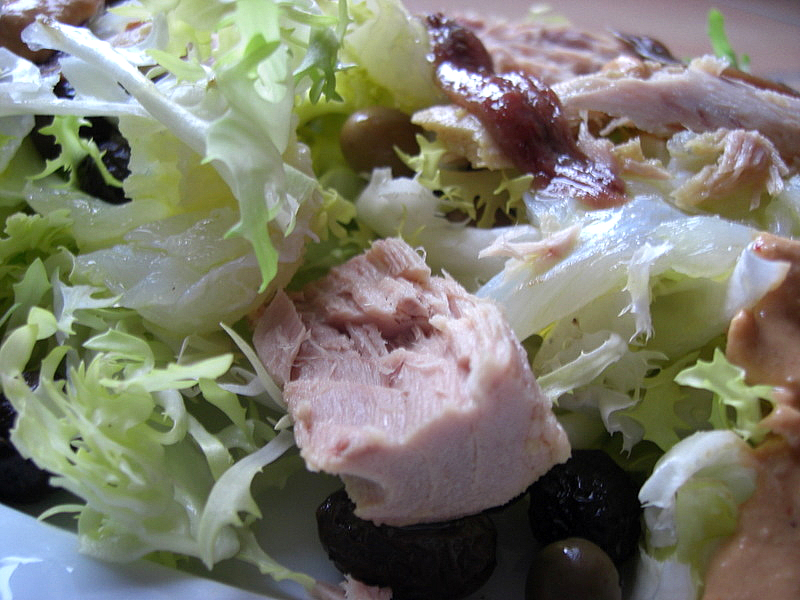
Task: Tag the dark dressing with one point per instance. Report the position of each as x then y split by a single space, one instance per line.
523 116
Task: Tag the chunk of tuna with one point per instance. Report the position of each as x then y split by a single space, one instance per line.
413 391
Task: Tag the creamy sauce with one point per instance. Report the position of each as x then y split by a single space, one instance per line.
18 14
762 559
765 340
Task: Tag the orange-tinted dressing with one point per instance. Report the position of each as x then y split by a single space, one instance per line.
765 340
762 559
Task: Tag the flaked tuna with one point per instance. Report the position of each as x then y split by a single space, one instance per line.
700 97
725 168
550 52
413 391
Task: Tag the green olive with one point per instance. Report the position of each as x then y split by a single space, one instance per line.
572 569
369 137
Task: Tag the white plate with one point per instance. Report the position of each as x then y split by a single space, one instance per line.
39 561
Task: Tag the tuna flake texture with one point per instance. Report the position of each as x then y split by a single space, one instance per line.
413 391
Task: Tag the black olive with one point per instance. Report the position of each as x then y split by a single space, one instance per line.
7 416
115 150
45 144
572 569
434 561
116 156
7 413
21 481
369 137
589 496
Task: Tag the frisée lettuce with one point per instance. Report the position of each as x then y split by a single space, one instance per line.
146 407
217 137
124 425
149 405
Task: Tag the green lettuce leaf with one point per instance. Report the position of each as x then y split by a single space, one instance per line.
242 127
124 425
727 382
720 42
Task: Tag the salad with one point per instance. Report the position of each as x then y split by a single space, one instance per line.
651 316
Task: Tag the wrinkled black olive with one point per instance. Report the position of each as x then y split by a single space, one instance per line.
7 416
115 150
116 154
589 496
572 569
45 144
21 481
369 137
7 413
434 561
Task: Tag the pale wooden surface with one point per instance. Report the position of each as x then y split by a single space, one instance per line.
767 30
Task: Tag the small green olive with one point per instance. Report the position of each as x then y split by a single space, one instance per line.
572 569
369 137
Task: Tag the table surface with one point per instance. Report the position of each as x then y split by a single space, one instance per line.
768 31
